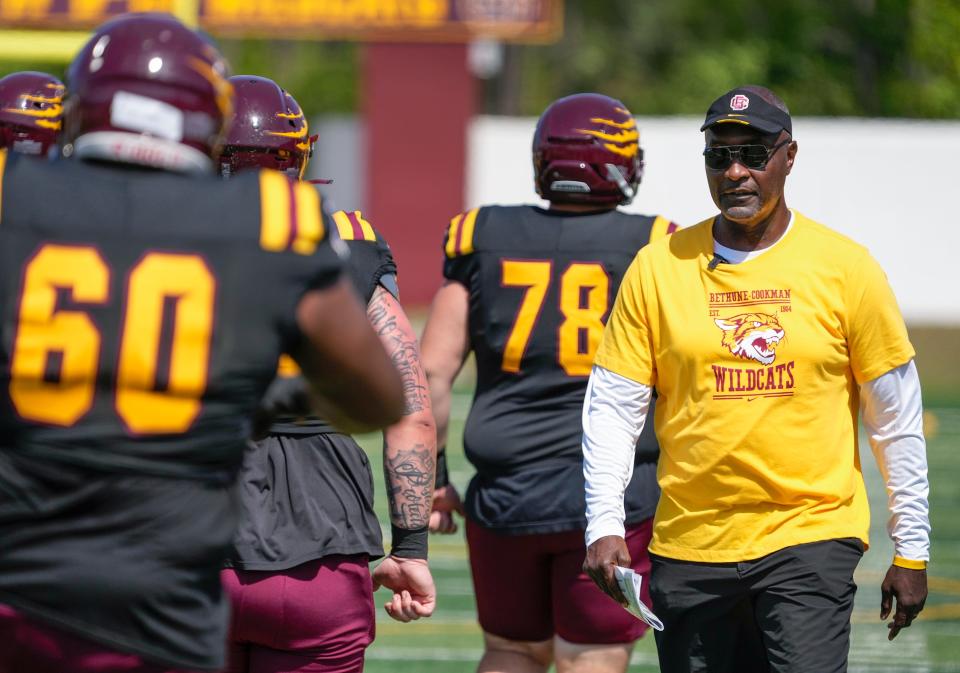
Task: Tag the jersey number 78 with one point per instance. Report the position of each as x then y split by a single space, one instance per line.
584 289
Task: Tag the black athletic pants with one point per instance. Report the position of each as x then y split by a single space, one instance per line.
788 612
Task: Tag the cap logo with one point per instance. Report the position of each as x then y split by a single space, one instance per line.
739 102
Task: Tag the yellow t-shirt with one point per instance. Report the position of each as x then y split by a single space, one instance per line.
756 366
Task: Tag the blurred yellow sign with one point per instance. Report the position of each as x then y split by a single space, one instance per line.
73 13
400 20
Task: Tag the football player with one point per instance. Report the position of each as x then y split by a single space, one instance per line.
527 290
30 112
298 577
144 304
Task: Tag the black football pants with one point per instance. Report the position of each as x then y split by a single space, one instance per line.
788 612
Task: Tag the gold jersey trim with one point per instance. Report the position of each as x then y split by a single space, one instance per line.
3 165
661 227
352 227
460 234
289 215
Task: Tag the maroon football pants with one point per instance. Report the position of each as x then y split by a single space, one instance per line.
30 646
315 618
532 587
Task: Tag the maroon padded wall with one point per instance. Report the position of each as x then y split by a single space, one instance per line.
417 101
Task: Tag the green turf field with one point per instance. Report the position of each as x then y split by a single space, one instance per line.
450 641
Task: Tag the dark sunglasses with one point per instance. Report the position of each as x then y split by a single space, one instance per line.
754 157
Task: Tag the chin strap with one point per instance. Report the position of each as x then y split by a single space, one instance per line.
613 173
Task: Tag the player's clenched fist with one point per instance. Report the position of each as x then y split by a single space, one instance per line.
414 594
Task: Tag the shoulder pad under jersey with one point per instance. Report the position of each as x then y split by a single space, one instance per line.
352 227
662 227
290 216
460 234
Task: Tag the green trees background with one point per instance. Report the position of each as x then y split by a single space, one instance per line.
878 58
896 58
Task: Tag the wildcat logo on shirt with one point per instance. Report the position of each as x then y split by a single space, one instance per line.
752 336
754 339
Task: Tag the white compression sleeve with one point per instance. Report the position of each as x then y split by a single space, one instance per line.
614 412
892 413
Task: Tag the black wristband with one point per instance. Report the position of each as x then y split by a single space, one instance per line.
408 542
442 478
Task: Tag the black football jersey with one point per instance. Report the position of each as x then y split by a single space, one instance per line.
306 491
304 497
141 317
541 285
368 262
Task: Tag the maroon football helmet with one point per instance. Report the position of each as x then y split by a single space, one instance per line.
586 150
30 111
147 90
269 130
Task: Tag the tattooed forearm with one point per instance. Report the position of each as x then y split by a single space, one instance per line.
409 475
402 348
409 454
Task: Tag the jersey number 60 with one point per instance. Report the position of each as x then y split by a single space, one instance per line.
68 342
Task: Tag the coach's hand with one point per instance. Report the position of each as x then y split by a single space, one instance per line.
414 595
602 556
446 501
909 587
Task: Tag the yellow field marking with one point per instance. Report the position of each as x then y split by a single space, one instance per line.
937 585
944 612
945 585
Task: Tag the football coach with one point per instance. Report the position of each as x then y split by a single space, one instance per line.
767 336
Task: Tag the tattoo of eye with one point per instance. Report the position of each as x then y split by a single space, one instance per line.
403 351
410 475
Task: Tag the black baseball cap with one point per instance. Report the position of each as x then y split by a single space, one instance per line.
743 106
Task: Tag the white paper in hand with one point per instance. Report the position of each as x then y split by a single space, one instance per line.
629 582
